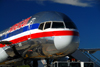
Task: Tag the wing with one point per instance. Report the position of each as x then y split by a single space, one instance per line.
90 50
5 42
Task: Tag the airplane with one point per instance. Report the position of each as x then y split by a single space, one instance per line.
45 35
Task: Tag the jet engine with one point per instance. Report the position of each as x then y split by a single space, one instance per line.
3 55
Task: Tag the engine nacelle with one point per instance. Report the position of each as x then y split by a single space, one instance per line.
3 55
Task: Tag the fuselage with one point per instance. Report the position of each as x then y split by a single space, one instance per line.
43 35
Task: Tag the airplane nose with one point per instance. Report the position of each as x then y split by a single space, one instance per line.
63 43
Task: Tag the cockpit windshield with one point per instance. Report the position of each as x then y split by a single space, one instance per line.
49 24
70 25
57 25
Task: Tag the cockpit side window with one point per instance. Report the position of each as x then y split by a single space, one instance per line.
47 25
41 26
58 25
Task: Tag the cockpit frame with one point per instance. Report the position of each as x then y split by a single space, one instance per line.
44 24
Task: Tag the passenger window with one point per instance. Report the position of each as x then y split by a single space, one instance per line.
58 25
41 26
47 25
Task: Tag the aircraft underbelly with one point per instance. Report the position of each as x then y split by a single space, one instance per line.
35 48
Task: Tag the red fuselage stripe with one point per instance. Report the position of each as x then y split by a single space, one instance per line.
44 34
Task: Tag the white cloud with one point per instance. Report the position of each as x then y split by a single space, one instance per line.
81 3
73 2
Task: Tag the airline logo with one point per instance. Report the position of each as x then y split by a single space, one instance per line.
19 25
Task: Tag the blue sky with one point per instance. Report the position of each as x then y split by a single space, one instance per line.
84 13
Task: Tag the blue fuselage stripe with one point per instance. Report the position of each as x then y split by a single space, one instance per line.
18 31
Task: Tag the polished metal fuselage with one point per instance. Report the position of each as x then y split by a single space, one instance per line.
35 48
46 47
42 48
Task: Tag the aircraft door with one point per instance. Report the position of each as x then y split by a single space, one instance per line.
26 31
29 32
34 31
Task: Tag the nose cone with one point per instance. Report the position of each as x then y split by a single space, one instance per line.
66 43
